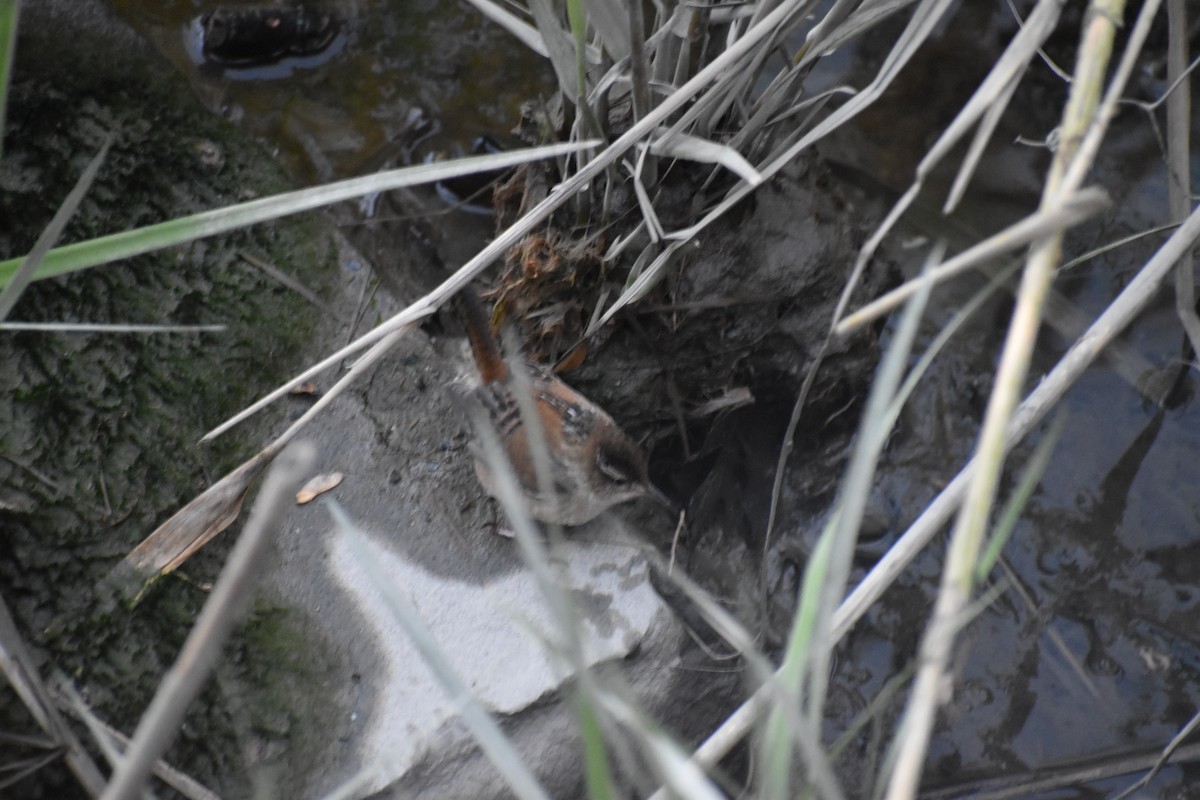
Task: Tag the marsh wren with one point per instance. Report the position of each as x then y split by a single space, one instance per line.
593 463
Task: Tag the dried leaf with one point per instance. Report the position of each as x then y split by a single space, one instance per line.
693 148
188 529
318 486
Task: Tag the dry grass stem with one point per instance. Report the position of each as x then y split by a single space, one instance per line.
1011 64
719 67
1071 211
1168 753
1179 184
1018 787
930 686
1132 300
284 279
1086 150
87 327
429 303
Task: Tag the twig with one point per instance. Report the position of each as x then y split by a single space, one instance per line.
956 588
274 273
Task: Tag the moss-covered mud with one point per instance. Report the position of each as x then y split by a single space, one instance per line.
98 443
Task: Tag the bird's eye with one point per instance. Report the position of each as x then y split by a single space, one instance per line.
615 468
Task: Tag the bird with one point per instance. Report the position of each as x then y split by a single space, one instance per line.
594 464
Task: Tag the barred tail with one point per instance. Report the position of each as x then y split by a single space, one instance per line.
484 346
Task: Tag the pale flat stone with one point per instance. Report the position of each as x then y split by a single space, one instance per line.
487 633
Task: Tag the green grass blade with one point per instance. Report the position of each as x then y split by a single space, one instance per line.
780 738
577 19
93 252
595 758
9 11
1016 503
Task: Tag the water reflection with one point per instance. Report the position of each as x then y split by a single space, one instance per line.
355 87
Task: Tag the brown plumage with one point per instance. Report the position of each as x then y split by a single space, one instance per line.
593 463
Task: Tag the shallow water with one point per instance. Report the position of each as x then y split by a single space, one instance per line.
397 74
1091 649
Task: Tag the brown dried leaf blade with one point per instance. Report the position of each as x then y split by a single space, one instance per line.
191 527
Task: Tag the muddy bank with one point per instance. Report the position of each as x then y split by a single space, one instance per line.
100 431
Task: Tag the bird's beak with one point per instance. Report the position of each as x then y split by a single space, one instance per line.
660 496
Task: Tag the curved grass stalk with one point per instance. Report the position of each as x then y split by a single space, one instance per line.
1013 62
1072 210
